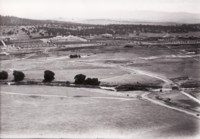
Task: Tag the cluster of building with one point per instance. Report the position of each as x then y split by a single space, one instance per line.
69 38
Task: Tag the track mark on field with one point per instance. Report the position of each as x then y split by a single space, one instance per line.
33 95
62 96
26 104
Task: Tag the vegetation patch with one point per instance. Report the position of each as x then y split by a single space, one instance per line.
190 84
81 79
132 87
75 56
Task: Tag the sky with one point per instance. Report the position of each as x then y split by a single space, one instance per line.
91 9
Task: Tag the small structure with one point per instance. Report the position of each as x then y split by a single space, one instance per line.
107 35
69 38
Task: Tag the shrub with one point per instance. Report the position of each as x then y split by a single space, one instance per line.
128 46
159 98
75 56
79 79
3 75
175 88
92 81
129 87
48 76
18 75
10 33
167 100
41 34
67 82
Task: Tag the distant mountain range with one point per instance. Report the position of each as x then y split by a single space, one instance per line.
148 17
128 17
120 21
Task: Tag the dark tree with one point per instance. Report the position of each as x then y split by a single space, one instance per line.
18 76
28 33
92 81
10 32
3 75
23 29
79 79
48 76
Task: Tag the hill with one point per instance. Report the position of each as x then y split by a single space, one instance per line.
12 20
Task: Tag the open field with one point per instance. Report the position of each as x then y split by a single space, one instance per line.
52 111
65 68
73 112
194 91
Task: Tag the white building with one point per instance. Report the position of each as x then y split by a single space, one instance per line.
69 38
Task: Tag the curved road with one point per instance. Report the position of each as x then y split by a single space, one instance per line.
167 84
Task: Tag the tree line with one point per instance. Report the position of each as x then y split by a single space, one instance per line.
121 29
49 76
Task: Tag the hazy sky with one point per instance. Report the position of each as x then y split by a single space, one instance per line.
50 9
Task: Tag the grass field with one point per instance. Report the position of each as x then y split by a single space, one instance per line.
131 79
65 70
173 67
62 112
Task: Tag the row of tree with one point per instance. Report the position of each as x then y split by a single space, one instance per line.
18 75
81 79
49 76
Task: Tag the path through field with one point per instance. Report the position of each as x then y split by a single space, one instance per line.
168 82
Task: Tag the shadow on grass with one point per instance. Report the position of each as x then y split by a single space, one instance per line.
35 96
188 128
193 104
78 96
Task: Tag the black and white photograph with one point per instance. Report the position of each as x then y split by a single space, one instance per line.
100 69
